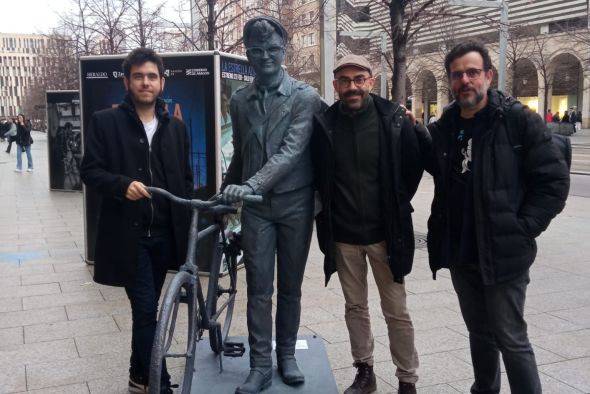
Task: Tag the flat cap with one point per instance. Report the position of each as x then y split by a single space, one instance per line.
274 23
353 61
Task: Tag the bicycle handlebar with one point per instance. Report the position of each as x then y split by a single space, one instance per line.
199 204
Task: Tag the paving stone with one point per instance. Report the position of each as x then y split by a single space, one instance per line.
31 290
56 373
425 319
111 385
438 340
97 309
37 352
10 305
17 270
578 316
574 373
37 316
9 281
438 369
12 379
568 345
79 266
81 297
545 323
70 329
439 389
80 388
74 286
56 277
113 342
560 300
11 336
548 384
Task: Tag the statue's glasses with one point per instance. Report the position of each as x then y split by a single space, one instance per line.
258 52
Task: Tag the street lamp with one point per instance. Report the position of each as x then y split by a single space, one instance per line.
369 34
502 5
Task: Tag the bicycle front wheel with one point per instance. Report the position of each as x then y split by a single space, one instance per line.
173 341
221 295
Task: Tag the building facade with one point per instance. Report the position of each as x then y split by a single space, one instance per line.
24 61
548 55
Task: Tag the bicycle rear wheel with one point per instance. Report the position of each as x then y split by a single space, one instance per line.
180 291
221 295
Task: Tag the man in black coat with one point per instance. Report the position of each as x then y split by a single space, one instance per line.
367 168
499 180
139 237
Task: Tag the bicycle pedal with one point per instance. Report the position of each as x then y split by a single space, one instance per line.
233 349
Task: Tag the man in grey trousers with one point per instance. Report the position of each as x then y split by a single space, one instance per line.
272 126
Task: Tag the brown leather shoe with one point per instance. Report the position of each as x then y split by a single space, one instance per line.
364 381
406 388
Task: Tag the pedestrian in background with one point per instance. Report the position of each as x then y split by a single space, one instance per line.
23 143
549 116
498 182
11 134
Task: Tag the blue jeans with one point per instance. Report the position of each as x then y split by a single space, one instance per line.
19 158
153 256
494 316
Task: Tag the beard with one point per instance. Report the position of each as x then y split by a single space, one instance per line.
144 101
469 102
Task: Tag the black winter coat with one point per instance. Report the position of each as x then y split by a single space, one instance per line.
23 135
401 170
115 154
520 182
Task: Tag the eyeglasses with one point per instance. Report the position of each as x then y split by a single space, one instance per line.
345 82
472 73
259 51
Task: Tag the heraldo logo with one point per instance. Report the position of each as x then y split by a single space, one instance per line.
118 74
97 75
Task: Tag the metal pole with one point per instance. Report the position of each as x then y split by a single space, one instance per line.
503 44
328 47
383 72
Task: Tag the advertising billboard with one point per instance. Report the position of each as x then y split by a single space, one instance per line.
189 96
64 140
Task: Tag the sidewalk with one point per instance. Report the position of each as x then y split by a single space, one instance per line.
61 333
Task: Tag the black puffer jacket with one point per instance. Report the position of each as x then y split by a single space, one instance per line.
520 182
400 173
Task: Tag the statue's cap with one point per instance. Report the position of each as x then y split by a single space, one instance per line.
273 21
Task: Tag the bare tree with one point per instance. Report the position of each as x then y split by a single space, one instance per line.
145 24
540 58
109 17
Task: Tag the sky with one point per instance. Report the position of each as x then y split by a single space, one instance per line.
39 16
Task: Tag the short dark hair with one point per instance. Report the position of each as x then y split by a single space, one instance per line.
139 56
463 49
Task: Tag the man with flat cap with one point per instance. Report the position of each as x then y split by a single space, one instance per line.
367 168
272 126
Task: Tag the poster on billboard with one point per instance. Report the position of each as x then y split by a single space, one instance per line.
234 72
189 96
64 141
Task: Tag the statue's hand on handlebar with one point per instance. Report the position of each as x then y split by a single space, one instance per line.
236 193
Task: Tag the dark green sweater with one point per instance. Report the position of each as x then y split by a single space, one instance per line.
357 208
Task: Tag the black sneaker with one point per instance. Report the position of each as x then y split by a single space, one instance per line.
138 384
167 388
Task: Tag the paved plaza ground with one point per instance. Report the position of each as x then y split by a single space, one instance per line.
61 333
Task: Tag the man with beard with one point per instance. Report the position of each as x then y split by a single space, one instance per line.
272 126
499 180
367 169
139 237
